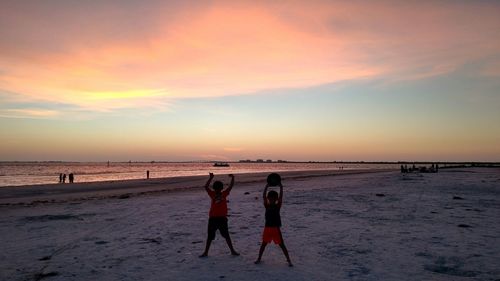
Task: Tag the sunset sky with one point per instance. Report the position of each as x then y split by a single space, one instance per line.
228 80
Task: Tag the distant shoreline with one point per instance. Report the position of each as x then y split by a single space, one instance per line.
470 163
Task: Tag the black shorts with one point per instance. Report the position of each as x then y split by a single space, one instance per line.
219 223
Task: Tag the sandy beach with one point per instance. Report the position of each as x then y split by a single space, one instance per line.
338 225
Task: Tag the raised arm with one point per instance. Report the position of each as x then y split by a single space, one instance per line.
231 183
207 185
280 198
264 195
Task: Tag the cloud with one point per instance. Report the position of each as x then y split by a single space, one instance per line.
212 157
103 56
491 68
233 149
29 113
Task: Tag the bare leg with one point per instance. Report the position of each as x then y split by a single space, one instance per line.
230 244
285 251
261 251
207 247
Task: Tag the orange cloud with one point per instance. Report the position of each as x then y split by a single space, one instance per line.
28 113
239 48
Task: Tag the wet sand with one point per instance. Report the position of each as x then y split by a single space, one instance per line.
45 193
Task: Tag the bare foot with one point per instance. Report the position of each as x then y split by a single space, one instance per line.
257 262
234 253
203 255
290 264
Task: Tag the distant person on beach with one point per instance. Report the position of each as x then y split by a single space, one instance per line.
272 231
404 169
64 178
218 213
71 178
147 174
60 178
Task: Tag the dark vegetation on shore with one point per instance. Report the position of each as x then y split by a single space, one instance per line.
443 164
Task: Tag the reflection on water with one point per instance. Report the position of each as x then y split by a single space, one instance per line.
27 173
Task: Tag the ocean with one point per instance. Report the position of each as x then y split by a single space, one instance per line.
31 173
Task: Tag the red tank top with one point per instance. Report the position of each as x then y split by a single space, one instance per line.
218 208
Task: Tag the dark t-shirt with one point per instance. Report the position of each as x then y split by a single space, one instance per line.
273 218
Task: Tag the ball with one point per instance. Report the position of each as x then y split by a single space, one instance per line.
273 179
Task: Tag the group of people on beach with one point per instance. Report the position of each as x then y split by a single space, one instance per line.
218 215
62 178
434 168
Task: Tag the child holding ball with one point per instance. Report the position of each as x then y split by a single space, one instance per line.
272 231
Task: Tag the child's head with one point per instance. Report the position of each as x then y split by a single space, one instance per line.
272 196
218 186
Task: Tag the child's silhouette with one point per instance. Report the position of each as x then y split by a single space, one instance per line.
272 232
218 213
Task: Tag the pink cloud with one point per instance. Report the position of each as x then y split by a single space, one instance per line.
233 149
232 48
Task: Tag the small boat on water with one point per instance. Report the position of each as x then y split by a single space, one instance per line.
221 164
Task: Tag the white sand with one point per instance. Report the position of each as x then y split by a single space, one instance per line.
335 227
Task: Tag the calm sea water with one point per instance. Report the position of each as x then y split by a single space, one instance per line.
29 173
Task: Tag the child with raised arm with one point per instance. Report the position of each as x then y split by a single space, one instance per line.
272 231
218 213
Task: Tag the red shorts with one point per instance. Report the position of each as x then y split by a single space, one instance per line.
272 234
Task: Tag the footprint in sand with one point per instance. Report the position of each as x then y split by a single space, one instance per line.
40 276
450 266
359 270
151 240
46 218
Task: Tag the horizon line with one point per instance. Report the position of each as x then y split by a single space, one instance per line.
261 162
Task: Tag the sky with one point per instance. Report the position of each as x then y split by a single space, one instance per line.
229 80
